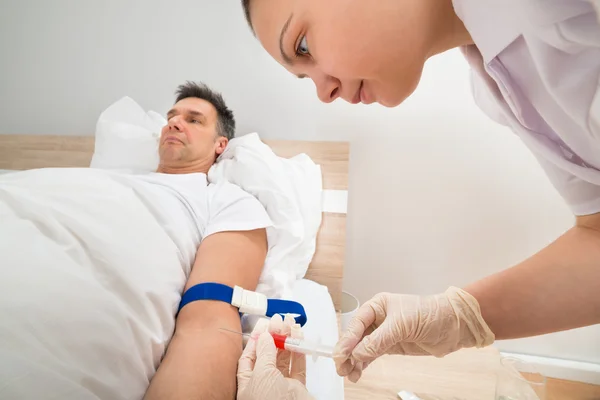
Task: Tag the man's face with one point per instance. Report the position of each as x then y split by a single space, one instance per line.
190 137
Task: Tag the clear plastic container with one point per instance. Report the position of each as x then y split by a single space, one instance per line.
519 380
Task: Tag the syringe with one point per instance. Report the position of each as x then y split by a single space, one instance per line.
314 349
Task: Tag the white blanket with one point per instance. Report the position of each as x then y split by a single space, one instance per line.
87 299
291 192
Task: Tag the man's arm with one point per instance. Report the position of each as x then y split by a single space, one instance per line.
557 289
201 360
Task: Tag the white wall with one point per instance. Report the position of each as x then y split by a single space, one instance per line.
440 195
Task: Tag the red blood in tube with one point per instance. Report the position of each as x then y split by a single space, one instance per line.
279 340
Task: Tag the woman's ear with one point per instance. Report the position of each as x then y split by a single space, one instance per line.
221 145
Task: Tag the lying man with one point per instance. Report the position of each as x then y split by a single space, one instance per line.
201 361
87 304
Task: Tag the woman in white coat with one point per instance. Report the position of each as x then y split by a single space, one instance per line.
535 68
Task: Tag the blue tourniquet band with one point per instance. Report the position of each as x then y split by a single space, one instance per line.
224 293
276 306
207 291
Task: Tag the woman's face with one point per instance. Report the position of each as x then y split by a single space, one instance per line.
360 50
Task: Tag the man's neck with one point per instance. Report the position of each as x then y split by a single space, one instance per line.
190 168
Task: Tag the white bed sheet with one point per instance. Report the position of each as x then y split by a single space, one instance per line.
322 380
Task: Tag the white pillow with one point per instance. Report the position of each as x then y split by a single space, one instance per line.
291 192
127 138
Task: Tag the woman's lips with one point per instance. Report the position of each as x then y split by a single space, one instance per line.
361 95
358 96
364 97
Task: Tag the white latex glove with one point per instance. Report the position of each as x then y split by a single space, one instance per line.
266 373
410 325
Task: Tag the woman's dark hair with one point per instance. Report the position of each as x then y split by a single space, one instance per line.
246 6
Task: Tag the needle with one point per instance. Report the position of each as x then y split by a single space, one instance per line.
246 335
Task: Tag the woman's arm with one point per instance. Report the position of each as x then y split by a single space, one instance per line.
556 289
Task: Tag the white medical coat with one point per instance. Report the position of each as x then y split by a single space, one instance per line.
536 69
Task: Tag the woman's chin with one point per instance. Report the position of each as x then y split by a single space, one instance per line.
389 104
392 101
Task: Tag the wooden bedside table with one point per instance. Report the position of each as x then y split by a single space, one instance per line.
465 375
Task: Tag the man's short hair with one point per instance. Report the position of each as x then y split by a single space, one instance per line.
246 5
225 118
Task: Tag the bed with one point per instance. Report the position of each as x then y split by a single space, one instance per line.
323 281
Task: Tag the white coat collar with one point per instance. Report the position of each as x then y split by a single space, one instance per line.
495 24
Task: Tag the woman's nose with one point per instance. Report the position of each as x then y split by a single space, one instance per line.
328 88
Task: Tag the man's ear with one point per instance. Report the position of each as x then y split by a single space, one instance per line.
221 145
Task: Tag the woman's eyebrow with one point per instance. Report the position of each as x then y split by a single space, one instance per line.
287 59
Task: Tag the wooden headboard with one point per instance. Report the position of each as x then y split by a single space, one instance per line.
19 152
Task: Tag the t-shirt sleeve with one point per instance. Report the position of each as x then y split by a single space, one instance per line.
232 209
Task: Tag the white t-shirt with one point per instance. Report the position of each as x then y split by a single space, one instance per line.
191 209
536 67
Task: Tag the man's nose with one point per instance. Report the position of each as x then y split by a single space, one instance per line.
328 87
175 124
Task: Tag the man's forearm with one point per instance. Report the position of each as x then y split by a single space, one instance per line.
201 360
556 289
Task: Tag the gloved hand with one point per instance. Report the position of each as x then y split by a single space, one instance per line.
410 325
266 373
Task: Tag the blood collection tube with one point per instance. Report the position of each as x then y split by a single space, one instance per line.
310 348
315 349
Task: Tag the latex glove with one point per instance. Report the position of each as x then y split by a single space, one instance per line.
410 325
266 373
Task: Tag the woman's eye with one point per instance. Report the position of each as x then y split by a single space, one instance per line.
303 47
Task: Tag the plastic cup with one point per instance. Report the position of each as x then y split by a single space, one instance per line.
349 307
519 380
